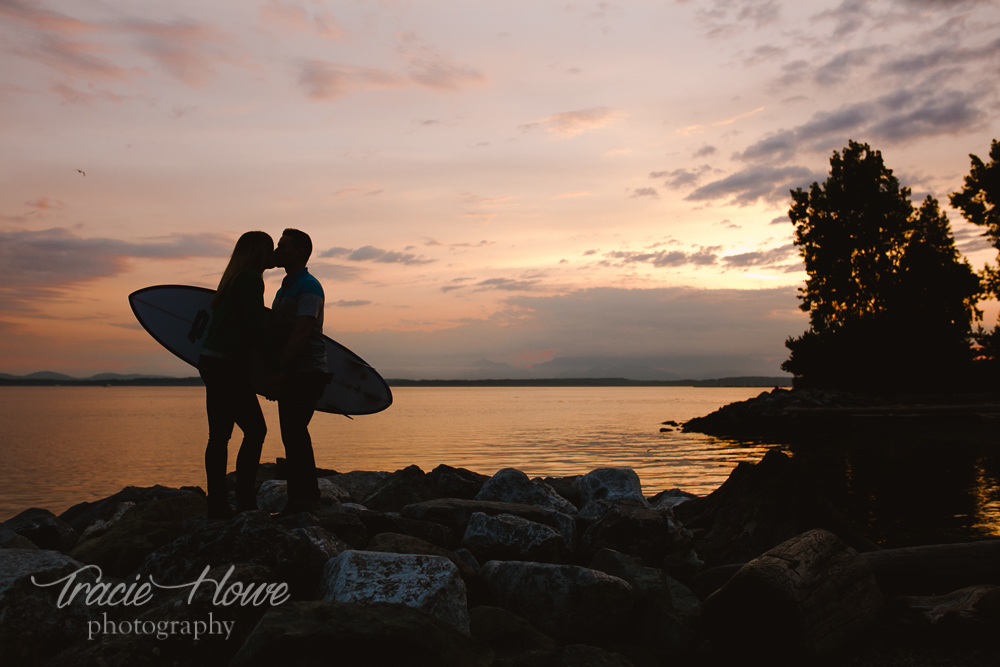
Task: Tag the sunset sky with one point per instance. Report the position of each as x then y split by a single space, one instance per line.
493 189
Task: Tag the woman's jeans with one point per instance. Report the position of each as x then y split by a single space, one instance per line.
230 399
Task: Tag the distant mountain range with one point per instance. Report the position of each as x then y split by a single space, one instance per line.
48 378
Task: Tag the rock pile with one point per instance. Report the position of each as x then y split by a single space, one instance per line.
454 568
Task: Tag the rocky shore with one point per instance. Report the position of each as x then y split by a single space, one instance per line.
450 567
784 415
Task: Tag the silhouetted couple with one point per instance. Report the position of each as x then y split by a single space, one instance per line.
242 344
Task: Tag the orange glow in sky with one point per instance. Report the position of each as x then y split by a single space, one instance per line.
492 189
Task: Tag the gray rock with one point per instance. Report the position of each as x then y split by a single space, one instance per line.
32 624
398 543
359 484
140 531
656 621
449 482
44 529
401 488
506 633
429 583
321 633
11 540
456 513
251 537
568 602
513 486
670 498
329 545
386 522
102 525
611 484
82 515
273 494
651 535
509 537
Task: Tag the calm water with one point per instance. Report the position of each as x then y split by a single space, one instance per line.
63 445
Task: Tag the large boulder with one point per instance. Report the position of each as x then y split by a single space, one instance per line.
38 614
339 522
510 485
11 540
273 494
401 488
359 484
649 534
568 602
143 529
102 525
657 622
795 604
510 537
610 484
506 633
83 515
456 514
251 537
384 522
971 614
429 583
44 529
760 506
449 482
320 633
398 543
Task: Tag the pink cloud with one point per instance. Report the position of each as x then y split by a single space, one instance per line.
185 49
294 18
322 80
435 70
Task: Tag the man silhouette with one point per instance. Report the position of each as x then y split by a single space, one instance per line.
298 309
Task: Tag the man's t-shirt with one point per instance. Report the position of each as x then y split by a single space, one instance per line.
301 294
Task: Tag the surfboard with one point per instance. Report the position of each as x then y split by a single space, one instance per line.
177 317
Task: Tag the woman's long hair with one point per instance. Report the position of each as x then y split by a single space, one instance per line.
252 252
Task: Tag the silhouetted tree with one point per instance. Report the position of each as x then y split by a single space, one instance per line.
890 301
979 201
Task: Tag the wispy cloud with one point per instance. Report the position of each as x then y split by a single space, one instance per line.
572 123
752 184
56 258
372 254
322 80
698 129
294 18
433 69
665 258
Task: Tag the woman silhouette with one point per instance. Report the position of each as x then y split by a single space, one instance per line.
238 331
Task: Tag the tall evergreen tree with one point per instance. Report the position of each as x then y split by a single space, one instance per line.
890 301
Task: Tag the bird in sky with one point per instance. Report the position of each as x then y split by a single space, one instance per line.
82 172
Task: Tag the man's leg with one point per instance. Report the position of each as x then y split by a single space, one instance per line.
295 410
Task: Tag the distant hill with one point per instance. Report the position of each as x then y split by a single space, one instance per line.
48 379
747 381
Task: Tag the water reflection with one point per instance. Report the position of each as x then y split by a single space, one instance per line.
902 487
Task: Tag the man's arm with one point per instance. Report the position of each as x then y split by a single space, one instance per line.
296 339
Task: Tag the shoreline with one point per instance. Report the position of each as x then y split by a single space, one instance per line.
747 381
